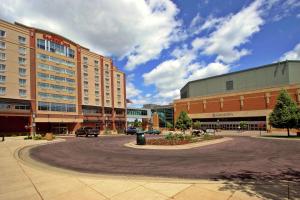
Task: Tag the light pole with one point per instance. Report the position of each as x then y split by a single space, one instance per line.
33 124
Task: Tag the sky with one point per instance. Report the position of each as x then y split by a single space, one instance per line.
163 44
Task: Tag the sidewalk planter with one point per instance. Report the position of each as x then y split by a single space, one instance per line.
49 136
140 138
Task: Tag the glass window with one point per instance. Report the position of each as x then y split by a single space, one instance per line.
22 92
2 79
22 39
22 51
41 44
229 85
85 60
2 67
22 71
2 45
86 92
22 82
2 56
97 101
22 61
71 53
97 93
2 33
2 90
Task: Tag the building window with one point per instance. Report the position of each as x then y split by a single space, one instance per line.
2 56
41 44
108 101
85 68
85 60
96 78
2 90
22 82
22 61
22 92
71 53
96 85
96 63
2 45
22 71
22 40
97 101
106 66
86 92
96 69
86 100
22 51
118 76
97 93
119 104
2 33
2 67
229 85
2 79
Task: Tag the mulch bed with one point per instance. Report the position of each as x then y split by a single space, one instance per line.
162 141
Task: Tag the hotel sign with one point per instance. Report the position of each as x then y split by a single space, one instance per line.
55 39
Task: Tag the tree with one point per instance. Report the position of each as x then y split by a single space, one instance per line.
169 125
137 123
197 125
183 122
243 124
284 114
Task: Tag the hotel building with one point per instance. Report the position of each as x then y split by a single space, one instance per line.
249 95
50 83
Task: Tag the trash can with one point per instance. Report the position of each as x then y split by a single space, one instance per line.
140 138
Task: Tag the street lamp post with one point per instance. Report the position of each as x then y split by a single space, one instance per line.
33 124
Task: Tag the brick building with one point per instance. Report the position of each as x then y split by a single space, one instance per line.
50 83
249 95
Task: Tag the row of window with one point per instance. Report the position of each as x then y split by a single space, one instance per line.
22 92
56 96
86 101
59 107
21 39
55 48
56 69
8 106
22 50
56 60
85 62
55 78
56 87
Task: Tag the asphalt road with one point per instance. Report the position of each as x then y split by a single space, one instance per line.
243 158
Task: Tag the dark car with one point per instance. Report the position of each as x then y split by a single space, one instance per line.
86 131
131 131
153 131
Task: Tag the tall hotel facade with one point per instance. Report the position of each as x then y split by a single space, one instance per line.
50 83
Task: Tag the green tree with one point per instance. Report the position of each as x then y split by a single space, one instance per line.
183 122
243 124
197 125
169 125
284 114
137 123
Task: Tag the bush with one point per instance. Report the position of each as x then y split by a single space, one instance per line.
28 137
38 137
120 131
107 131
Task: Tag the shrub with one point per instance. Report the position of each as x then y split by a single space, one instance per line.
107 131
28 137
38 137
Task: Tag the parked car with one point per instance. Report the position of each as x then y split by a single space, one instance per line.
197 132
86 131
131 131
153 131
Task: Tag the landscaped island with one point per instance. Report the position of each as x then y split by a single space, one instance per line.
180 139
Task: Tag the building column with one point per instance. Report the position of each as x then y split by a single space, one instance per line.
221 103
241 102
267 97
204 105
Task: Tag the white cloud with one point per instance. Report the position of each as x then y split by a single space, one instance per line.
230 33
131 90
137 30
293 54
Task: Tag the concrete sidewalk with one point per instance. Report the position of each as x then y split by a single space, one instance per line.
19 180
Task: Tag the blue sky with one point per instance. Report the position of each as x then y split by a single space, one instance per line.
163 44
